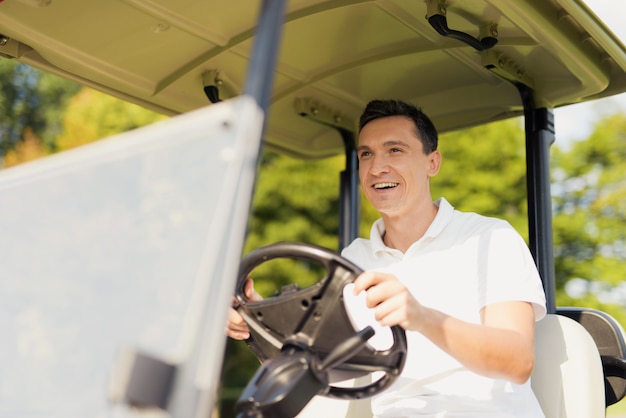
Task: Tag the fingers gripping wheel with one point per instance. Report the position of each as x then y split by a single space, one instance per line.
315 320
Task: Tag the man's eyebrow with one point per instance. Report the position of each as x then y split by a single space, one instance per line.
386 144
395 143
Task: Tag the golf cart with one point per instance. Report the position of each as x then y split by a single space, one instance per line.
120 259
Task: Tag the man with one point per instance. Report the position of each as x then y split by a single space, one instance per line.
463 286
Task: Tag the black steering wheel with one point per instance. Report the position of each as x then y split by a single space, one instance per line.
315 321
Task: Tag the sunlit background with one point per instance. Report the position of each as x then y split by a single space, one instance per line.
576 122
573 123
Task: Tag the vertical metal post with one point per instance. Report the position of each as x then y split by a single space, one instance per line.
349 194
260 77
539 127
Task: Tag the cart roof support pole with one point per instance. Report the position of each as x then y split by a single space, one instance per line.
539 127
261 70
349 193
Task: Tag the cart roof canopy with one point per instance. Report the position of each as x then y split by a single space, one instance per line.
458 60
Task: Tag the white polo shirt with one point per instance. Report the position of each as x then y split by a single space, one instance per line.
463 263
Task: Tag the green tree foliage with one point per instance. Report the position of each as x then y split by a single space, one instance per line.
589 188
294 201
42 113
33 100
29 148
91 115
484 171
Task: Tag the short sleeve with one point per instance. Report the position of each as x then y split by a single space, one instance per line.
507 271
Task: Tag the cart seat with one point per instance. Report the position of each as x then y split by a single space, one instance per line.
608 335
567 377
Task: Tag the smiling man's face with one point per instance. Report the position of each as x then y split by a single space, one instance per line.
393 168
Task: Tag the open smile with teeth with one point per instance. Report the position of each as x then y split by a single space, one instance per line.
387 185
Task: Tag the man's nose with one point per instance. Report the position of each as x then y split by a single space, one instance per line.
379 165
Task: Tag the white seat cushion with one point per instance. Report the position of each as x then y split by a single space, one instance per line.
567 378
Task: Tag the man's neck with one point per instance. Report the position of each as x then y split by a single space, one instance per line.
402 231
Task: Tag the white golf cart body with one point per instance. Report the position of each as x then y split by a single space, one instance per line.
120 258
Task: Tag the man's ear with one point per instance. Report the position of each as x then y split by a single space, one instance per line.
434 163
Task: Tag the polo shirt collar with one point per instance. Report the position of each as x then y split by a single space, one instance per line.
443 217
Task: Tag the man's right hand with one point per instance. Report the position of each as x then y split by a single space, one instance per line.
236 327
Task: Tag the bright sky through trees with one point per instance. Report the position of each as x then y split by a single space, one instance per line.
576 122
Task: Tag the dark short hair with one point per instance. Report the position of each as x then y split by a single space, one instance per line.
424 128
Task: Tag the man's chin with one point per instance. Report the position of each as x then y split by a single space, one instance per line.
387 209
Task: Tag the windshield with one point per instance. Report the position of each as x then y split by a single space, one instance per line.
119 244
